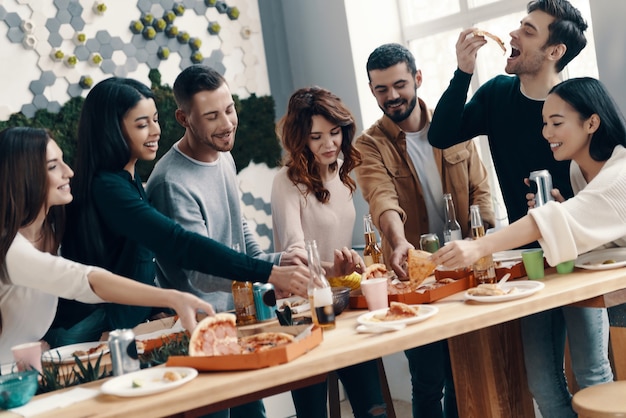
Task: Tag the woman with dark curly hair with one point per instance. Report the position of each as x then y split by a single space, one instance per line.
312 199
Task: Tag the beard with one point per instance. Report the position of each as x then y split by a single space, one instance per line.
398 115
531 65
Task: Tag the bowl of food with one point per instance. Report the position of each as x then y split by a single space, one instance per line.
341 298
16 389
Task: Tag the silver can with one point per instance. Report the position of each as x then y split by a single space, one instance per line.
543 181
264 301
124 357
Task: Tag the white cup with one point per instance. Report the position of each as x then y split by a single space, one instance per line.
375 292
27 355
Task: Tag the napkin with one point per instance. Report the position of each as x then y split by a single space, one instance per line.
177 327
60 400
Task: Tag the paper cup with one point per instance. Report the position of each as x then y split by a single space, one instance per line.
27 356
375 292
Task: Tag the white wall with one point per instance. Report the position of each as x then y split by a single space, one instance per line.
610 39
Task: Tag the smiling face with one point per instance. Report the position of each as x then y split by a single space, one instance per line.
141 129
569 135
395 90
528 52
59 175
324 140
210 122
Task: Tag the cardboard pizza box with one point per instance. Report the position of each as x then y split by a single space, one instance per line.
307 338
432 295
357 300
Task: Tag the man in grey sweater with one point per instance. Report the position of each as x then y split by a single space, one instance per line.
195 182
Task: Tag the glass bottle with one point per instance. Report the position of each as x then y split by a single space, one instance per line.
372 252
484 268
243 298
319 291
452 229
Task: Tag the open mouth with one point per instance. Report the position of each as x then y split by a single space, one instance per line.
224 135
514 52
152 144
394 105
555 145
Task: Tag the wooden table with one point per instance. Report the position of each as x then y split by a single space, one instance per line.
484 344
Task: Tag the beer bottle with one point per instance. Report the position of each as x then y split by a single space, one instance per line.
319 291
484 268
452 229
372 252
244 300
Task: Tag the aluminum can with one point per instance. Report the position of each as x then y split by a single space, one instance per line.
124 357
264 301
429 242
543 181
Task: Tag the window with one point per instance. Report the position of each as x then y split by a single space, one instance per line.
431 30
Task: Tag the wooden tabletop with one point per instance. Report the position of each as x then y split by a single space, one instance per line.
343 346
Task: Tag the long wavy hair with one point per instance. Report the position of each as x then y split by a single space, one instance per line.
24 190
102 146
294 130
588 96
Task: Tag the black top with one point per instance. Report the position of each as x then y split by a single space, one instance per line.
134 231
513 125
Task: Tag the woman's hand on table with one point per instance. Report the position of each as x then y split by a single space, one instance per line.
346 262
187 305
291 279
458 254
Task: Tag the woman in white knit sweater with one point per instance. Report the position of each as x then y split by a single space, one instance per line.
582 124
35 187
312 199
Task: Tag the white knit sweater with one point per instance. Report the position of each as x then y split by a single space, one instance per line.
594 217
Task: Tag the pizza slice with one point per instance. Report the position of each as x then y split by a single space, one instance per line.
484 33
264 341
419 266
214 336
398 311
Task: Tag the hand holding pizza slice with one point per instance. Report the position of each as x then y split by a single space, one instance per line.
419 267
484 33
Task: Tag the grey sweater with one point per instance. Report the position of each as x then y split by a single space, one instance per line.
203 198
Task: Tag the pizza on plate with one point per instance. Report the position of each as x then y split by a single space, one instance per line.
487 289
419 266
398 311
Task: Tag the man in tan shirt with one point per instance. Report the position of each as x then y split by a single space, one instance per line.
403 179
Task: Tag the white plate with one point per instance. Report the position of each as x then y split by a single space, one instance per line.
425 311
151 381
593 260
524 288
66 352
303 304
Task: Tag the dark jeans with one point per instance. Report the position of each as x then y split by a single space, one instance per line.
362 388
431 378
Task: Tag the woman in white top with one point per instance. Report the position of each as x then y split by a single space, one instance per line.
312 199
582 124
35 186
